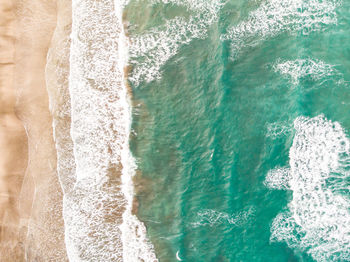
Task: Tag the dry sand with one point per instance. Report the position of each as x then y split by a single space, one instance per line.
31 224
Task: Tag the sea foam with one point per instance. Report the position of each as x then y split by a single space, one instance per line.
150 51
274 17
277 130
210 217
99 224
317 218
278 178
300 68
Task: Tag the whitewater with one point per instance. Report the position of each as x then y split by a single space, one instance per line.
92 128
225 91
317 218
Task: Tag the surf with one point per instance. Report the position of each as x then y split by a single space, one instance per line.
274 17
151 50
316 219
96 167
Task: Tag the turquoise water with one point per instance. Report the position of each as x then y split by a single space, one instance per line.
214 113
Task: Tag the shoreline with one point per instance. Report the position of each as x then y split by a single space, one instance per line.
47 187
135 226
101 122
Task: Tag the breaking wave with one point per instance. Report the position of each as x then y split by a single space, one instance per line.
317 218
150 51
278 178
300 68
274 17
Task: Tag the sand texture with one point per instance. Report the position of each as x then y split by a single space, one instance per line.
31 224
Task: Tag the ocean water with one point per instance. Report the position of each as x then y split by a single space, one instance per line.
240 128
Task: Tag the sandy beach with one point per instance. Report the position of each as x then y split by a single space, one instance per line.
31 224
46 112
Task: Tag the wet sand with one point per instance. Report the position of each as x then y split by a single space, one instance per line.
31 224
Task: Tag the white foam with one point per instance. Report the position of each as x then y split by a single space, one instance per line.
278 129
300 68
150 51
212 217
278 178
317 220
194 5
274 17
99 224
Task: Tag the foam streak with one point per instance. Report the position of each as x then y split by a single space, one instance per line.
274 17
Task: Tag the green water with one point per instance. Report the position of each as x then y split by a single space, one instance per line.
211 127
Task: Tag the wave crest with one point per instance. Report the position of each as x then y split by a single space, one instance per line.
300 68
150 51
274 17
317 219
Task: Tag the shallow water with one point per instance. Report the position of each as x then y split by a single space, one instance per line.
95 165
222 153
